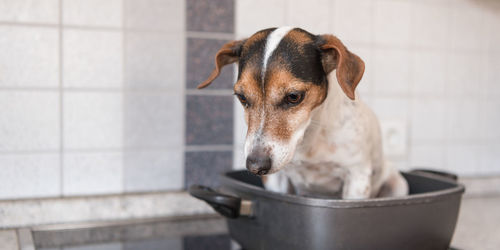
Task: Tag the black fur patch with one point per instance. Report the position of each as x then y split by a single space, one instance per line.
302 60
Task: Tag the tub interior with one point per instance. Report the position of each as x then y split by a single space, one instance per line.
418 184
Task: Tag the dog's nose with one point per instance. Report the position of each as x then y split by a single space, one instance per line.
258 163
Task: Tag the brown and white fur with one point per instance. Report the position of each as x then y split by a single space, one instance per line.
307 134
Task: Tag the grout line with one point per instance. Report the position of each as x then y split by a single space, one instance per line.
210 148
123 96
212 92
209 35
183 132
61 100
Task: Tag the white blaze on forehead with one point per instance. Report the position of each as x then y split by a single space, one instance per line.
273 40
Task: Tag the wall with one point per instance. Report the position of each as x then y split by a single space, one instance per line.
431 66
98 97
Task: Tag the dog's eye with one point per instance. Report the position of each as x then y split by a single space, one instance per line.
294 98
242 99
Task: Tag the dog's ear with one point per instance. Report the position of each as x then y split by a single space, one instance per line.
229 53
350 67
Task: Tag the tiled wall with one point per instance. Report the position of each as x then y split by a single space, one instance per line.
92 97
431 65
99 97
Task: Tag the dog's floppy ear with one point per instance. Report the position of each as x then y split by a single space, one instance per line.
229 53
350 67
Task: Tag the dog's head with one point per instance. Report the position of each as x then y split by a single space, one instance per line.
282 77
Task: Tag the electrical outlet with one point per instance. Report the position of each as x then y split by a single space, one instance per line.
394 137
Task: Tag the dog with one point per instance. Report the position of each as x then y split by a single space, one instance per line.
307 133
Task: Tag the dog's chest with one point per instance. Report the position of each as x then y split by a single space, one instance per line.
316 179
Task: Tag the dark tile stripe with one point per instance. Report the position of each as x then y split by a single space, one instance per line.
210 15
200 62
205 168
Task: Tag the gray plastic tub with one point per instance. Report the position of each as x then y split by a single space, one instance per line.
260 219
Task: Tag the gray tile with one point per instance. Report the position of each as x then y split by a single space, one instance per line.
92 58
29 120
33 11
92 120
164 15
153 170
154 60
210 15
29 175
153 119
92 12
204 168
8 239
30 56
209 120
207 242
201 62
101 246
155 244
93 173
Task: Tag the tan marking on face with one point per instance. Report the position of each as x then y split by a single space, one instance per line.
250 88
282 122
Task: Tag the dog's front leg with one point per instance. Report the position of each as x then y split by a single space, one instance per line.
278 182
357 184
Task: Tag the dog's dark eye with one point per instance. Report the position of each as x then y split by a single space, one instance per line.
242 99
294 98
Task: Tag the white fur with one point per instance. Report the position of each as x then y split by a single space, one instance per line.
345 140
273 40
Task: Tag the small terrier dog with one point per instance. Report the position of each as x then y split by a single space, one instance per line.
304 120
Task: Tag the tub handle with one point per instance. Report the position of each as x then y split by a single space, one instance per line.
441 174
226 205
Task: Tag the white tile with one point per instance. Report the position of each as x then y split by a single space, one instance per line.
309 15
92 173
365 86
391 71
391 108
92 12
30 56
32 11
463 119
240 126
429 74
29 175
428 119
489 119
427 156
92 58
392 22
8 239
463 159
153 120
154 170
466 75
92 120
431 25
29 121
492 22
255 15
155 60
489 159
492 75
467 26
164 15
239 161
353 20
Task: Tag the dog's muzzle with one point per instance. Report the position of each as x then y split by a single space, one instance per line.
259 162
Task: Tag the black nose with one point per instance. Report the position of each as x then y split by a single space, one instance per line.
258 163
